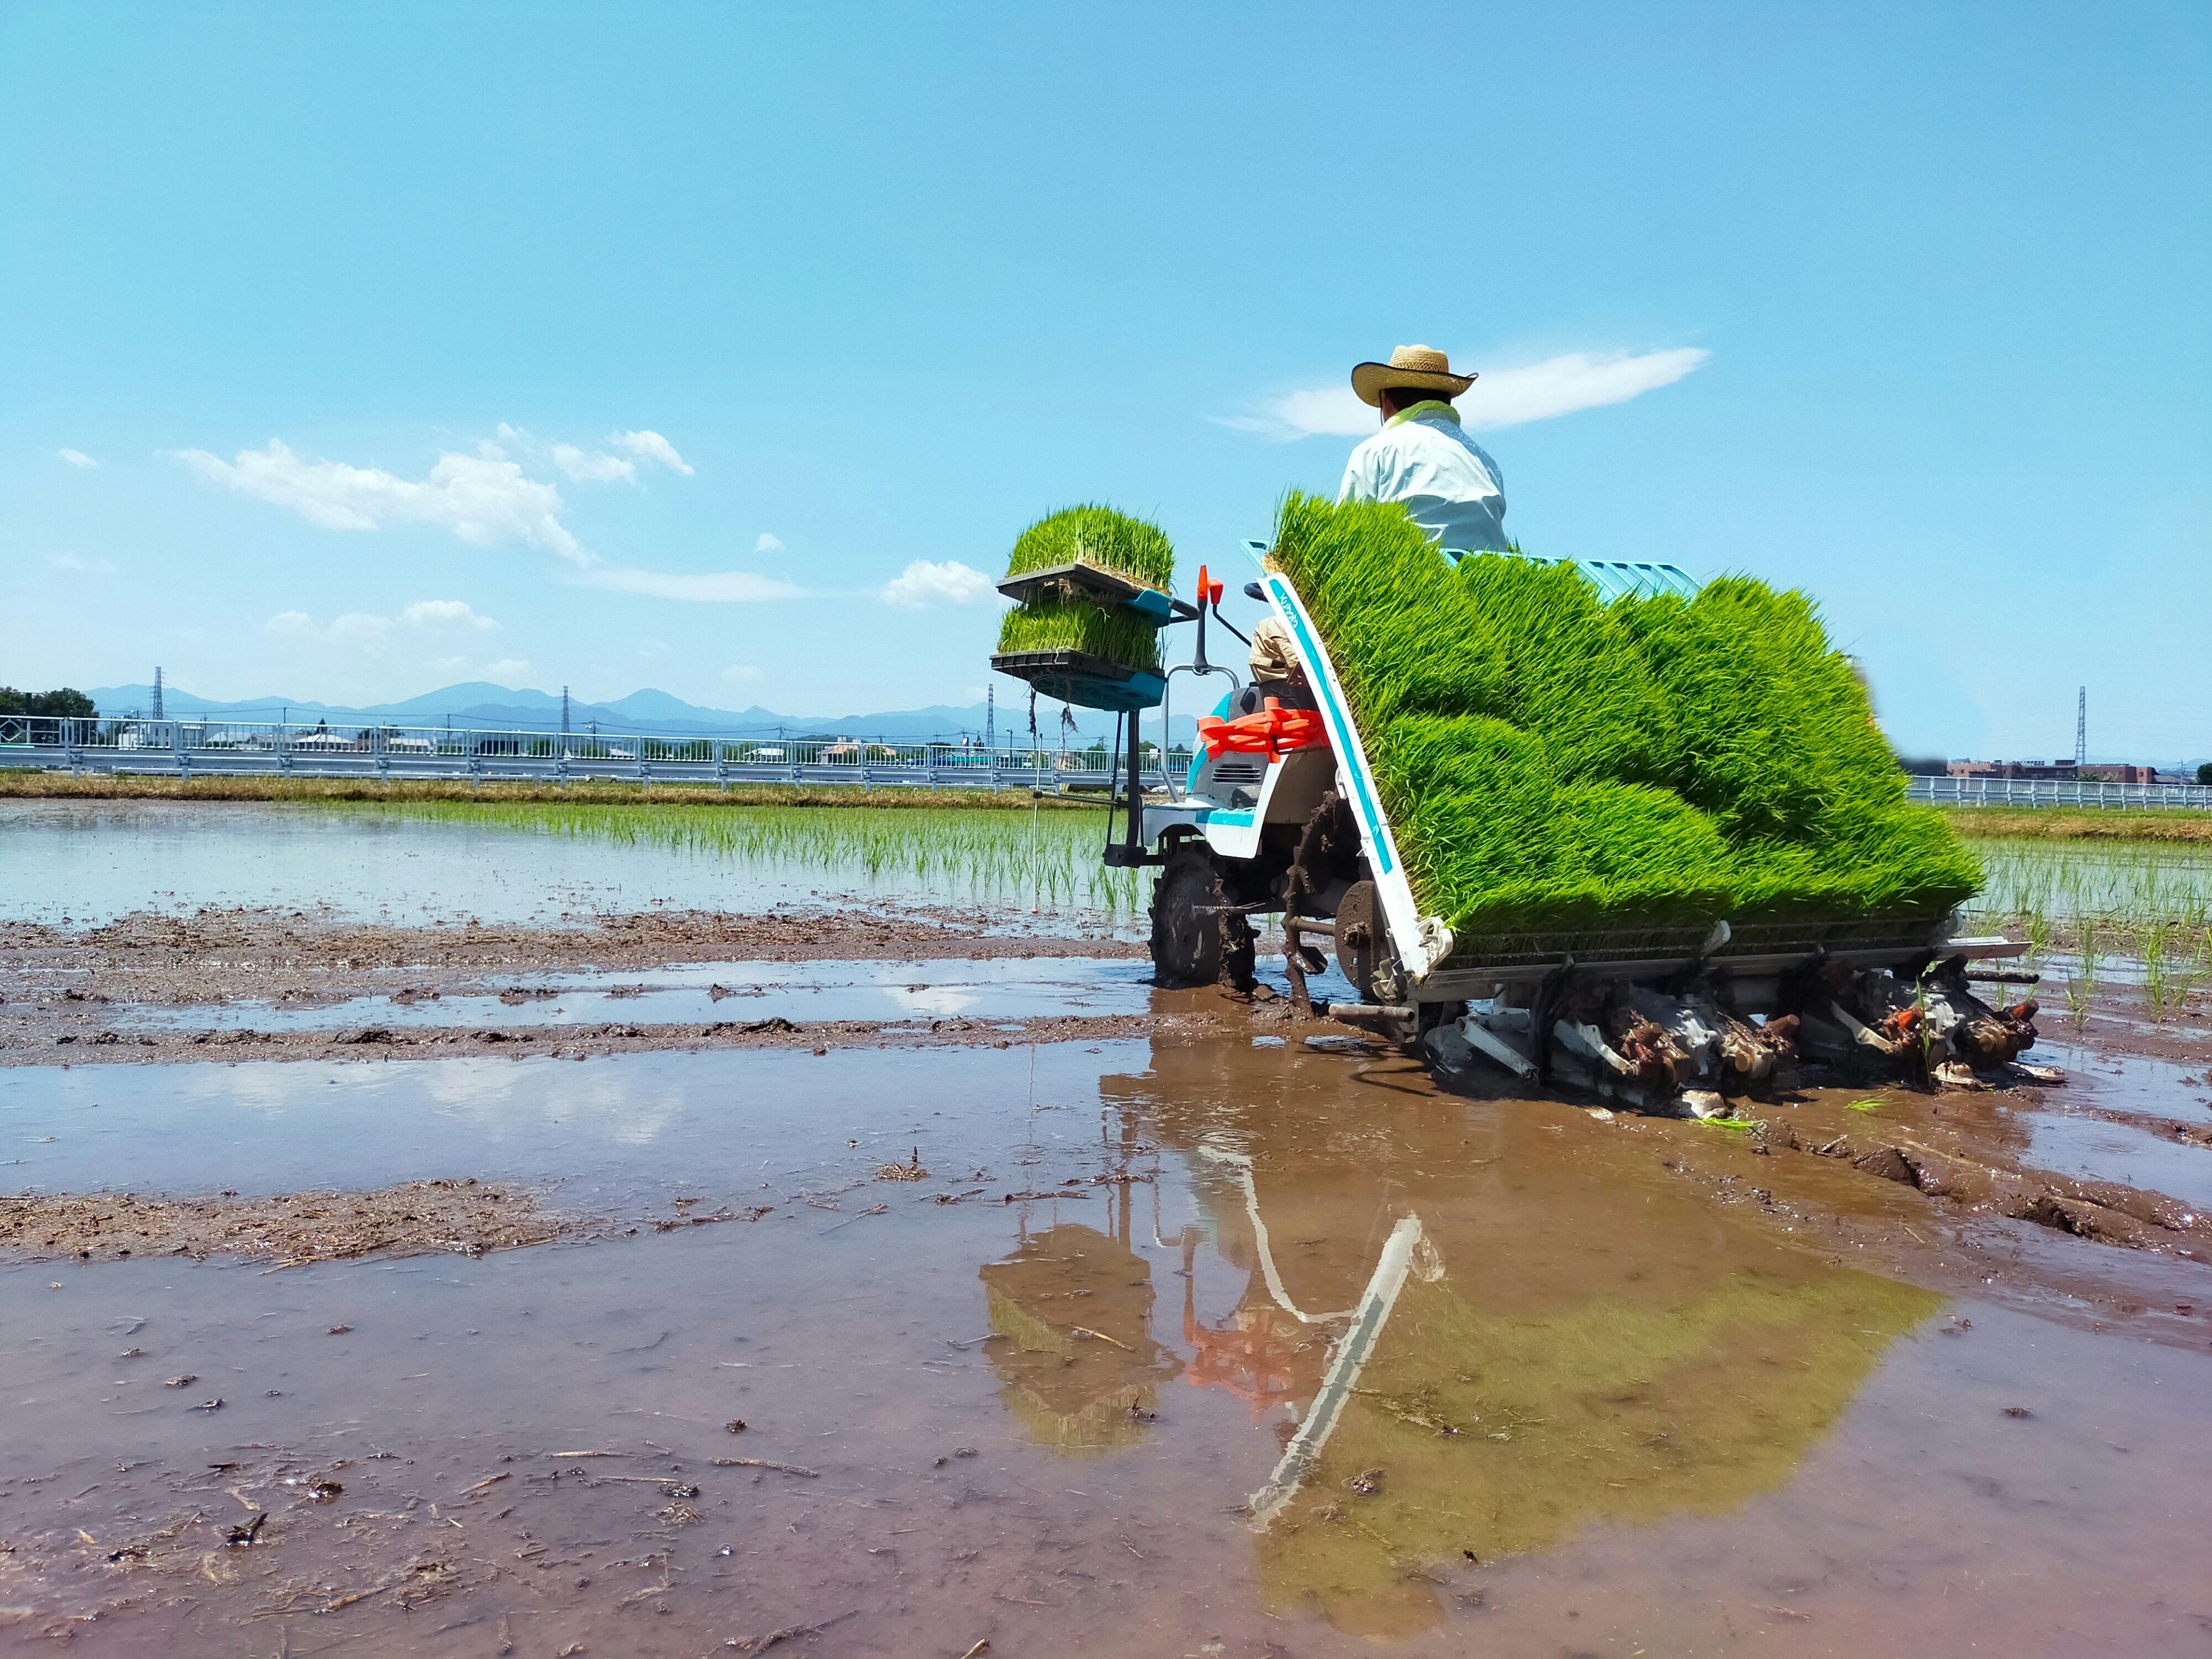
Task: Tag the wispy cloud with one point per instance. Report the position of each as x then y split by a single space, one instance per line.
740 673
446 613
484 498
581 463
1501 397
361 629
78 458
652 446
79 563
767 543
923 584
711 587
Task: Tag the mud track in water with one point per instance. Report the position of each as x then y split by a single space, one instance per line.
218 955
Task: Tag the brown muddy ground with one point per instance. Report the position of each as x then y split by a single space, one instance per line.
218 955
464 1216
1649 1386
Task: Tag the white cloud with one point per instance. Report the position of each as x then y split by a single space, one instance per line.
1500 397
292 625
652 446
431 613
78 458
767 543
506 668
484 498
924 583
715 587
738 674
594 469
79 562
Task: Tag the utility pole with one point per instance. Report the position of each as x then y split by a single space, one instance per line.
2080 727
157 694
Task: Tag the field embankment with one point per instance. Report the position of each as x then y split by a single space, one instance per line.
26 784
2054 823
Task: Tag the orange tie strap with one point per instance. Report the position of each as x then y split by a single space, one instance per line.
1273 731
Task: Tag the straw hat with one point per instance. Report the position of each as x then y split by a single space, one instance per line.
1412 366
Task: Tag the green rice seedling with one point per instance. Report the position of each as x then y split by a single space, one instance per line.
1098 536
1118 634
1864 1106
1556 764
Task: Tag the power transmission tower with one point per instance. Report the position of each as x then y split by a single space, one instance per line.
2080 727
157 694
991 717
564 711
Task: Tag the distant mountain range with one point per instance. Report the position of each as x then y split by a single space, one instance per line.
479 706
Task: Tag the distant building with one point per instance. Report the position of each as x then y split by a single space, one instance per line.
2063 771
2032 771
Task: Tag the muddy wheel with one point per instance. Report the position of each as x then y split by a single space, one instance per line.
1194 943
1363 937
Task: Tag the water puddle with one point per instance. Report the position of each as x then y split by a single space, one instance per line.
739 991
1187 1348
87 863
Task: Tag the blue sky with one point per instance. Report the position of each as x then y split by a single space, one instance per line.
351 350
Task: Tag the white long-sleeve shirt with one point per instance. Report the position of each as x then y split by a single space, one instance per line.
1450 487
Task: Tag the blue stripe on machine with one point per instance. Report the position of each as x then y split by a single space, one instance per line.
1341 731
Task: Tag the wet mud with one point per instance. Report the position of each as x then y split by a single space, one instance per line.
464 1216
1016 1353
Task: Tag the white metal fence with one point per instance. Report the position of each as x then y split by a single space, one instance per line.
389 753
2053 792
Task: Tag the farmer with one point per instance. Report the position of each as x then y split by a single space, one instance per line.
1450 487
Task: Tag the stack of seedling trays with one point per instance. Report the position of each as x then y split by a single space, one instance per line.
1091 587
1567 769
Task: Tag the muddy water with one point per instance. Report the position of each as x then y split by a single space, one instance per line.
1033 1396
84 864
1013 988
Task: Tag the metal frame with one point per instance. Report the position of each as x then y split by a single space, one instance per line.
207 748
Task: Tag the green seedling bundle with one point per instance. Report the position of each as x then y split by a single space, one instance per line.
1077 623
1554 764
1073 615
1101 537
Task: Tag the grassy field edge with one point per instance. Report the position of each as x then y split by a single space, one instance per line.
26 785
2056 824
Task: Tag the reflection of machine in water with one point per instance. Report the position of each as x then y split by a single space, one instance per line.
1073 1308
1588 1344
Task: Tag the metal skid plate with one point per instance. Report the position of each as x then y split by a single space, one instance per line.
1087 682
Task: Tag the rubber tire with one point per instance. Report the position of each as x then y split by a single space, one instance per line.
1189 948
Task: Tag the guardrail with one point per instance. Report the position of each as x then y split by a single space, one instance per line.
395 753
2053 792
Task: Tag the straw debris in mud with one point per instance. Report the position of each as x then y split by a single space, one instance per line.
416 1218
1557 764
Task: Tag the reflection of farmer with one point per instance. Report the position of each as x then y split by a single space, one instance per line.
1421 457
1077 1361
1589 1349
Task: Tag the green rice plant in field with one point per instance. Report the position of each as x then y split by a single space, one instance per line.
2127 889
1555 764
1118 635
1101 537
1047 860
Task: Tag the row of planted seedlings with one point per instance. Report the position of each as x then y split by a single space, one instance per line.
2105 917
1044 860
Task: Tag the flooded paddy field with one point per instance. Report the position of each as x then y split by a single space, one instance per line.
981 1292
1017 1339
83 863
